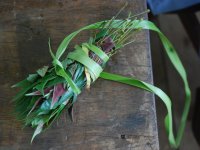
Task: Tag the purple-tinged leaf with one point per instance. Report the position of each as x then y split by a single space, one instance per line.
57 92
108 44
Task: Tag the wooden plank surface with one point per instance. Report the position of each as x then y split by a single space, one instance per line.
110 115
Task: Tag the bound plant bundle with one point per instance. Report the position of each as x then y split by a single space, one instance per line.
46 93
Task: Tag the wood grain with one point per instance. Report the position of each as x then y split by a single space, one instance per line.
110 115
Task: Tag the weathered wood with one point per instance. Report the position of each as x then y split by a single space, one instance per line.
110 115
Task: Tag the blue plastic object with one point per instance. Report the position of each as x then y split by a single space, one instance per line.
164 6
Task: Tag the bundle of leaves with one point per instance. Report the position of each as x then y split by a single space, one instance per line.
45 94
51 89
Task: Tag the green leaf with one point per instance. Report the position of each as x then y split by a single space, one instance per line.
148 87
94 68
21 93
97 51
21 107
34 102
55 81
32 77
38 130
61 72
101 34
78 74
175 60
55 114
40 86
59 69
43 71
23 84
64 44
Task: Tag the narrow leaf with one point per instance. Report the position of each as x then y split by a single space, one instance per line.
38 130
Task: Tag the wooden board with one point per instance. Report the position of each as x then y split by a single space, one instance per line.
110 115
